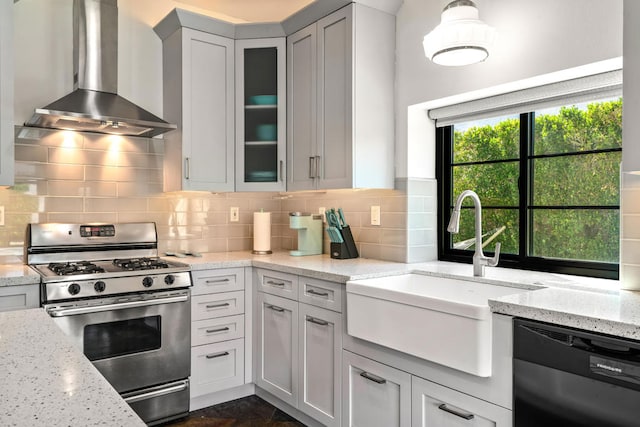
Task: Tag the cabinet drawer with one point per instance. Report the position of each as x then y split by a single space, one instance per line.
217 305
216 367
374 394
216 330
276 283
321 293
214 281
437 406
19 297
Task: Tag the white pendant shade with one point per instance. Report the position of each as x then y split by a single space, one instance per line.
461 38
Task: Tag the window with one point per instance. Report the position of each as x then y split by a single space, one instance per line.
549 184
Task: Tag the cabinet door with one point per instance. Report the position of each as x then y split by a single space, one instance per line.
6 94
218 329
278 283
217 367
320 342
19 297
277 353
260 114
436 406
301 113
321 293
335 100
216 281
373 394
217 305
208 111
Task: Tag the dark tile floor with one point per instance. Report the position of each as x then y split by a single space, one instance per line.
250 411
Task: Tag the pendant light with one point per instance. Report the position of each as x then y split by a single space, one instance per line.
461 38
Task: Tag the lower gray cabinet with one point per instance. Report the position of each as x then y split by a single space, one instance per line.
320 341
374 395
19 297
277 353
436 406
299 343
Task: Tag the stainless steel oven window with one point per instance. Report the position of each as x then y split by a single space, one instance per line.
122 337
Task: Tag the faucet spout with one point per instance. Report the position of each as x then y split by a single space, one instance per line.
479 258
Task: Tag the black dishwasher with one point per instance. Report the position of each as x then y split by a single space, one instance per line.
573 378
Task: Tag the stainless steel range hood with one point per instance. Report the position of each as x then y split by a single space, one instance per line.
94 105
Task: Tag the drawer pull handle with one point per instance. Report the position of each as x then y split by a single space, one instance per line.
320 294
213 331
213 356
445 408
272 283
373 378
317 321
217 281
276 308
224 304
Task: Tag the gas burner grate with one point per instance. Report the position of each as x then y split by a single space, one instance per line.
132 264
71 268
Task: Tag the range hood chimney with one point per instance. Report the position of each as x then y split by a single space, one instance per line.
94 105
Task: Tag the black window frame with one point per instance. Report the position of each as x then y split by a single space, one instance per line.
524 261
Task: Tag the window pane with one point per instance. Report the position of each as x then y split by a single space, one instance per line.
574 128
495 183
587 180
490 139
492 221
589 235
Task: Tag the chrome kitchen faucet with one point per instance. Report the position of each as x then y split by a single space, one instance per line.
479 259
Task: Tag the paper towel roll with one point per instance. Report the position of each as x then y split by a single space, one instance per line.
262 232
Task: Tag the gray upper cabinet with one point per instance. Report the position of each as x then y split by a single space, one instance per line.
260 114
340 74
6 93
198 79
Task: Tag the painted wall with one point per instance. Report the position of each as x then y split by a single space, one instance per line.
630 218
534 37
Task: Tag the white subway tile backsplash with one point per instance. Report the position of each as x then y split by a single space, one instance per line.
63 204
71 177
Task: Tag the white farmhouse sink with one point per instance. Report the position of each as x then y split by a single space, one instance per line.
447 321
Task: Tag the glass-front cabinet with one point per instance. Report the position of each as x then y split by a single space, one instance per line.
260 115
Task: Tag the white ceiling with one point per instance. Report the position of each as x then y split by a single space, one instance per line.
249 10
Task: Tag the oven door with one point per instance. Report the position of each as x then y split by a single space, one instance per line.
135 341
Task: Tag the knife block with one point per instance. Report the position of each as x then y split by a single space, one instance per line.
347 249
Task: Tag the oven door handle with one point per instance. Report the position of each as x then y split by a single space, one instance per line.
61 312
157 393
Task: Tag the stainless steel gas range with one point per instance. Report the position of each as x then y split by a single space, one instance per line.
125 308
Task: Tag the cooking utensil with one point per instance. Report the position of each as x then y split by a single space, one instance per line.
334 235
343 223
332 218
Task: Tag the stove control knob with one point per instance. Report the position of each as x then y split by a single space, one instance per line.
169 279
147 281
99 286
74 289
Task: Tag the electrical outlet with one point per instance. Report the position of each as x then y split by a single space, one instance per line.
1 215
375 215
234 214
321 212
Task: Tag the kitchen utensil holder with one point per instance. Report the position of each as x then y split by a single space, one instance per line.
347 249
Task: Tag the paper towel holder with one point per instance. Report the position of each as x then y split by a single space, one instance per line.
264 250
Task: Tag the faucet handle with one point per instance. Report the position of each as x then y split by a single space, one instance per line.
493 261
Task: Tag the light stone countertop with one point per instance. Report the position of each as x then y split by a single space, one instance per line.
13 272
46 381
317 266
